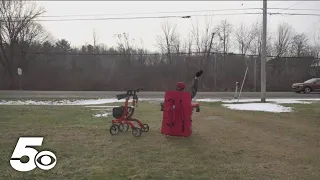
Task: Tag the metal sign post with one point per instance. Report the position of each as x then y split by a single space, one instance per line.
20 74
236 91
245 75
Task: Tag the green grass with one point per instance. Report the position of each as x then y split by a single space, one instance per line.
225 144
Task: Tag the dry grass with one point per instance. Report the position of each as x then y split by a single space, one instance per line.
225 144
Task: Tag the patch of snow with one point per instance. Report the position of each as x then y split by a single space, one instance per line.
292 101
73 103
102 106
100 109
208 100
97 101
240 100
61 102
151 99
102 115
278 101
265 107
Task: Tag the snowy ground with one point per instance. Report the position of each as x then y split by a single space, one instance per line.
71 102
59 103
265 107
273 105
279 101
102 115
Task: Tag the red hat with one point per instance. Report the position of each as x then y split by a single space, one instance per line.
180 86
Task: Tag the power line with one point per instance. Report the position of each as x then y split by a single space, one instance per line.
296 9
276 5
162 17
187 16
116 18
138 17
294 14
167 12
291 6
171 16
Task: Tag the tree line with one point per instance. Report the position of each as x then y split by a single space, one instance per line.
55 65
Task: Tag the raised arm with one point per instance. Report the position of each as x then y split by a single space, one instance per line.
194 87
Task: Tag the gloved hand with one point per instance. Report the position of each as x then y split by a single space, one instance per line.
199 73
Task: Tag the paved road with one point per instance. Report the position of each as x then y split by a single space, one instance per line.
112 94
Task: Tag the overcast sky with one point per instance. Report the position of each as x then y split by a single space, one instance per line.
80 32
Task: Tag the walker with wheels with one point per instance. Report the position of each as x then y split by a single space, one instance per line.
123 115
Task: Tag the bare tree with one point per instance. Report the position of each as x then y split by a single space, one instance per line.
16 18
141 49
196 36
189 44
316 44
203 40
299 45
244 38
224 33
224 30
95 41
125 47
203 43
33 33
255 47
95 38
169 41
282 39
177 44
207 38
256 31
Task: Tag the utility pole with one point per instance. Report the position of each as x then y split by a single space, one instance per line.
204 64
264 53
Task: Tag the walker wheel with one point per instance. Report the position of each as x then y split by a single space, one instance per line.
145 127
114 129
136 132
123 127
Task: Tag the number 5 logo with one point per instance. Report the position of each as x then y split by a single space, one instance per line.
41 159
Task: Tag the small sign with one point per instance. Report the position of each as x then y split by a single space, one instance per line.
20 71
